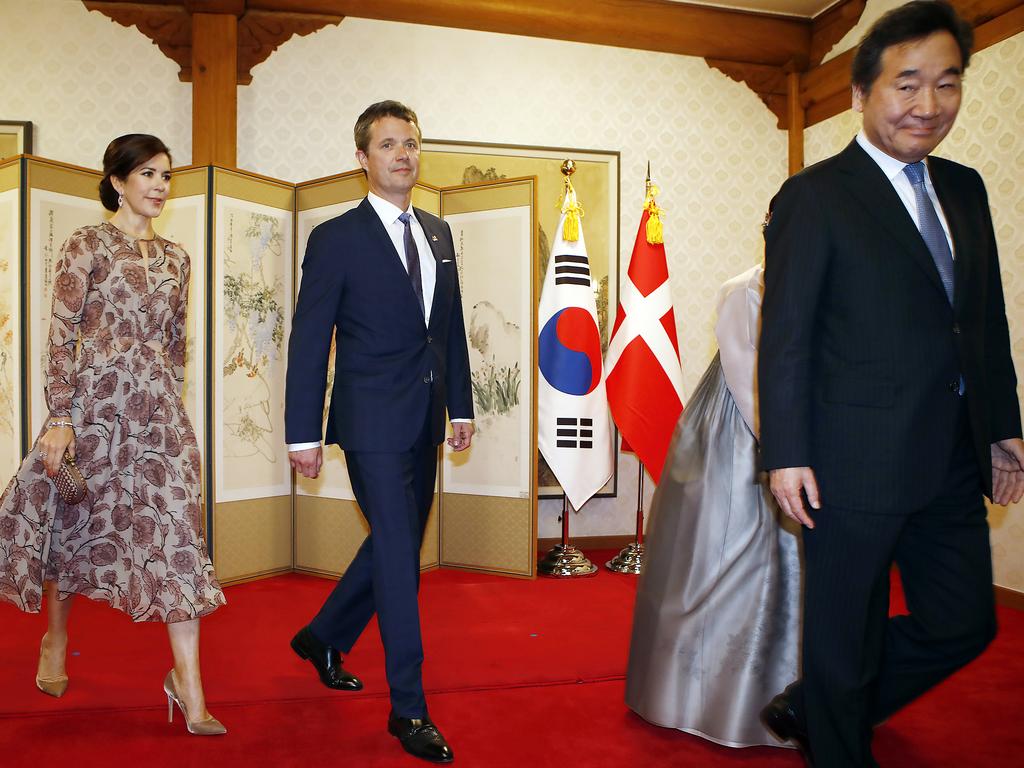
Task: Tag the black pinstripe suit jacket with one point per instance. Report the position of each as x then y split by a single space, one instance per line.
861 353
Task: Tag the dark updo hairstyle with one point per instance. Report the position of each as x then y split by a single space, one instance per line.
914 21
124 154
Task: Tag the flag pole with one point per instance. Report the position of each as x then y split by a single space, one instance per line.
564 560
631 557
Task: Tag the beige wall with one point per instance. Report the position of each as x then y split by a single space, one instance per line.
83 80
988 135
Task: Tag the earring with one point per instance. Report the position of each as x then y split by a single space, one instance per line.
120 200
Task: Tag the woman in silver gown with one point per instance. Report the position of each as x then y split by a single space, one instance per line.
716 623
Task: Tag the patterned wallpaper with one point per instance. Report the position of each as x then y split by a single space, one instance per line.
989 136
713 147
83 80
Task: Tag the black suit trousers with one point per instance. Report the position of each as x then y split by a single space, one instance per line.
394 491
859 665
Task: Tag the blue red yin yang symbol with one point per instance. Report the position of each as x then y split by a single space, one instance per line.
569 348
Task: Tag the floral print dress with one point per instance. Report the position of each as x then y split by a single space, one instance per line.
116 368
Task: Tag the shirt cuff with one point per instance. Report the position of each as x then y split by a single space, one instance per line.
302 446
461 421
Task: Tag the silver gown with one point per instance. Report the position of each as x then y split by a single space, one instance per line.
717 617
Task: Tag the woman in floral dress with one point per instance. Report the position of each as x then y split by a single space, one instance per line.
113 388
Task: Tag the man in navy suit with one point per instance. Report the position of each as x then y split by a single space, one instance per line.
382 278
888 398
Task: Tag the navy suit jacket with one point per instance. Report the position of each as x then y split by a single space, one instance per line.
391 371
861 353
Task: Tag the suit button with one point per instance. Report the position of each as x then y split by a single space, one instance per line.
426 379
430 339
954 386
956 329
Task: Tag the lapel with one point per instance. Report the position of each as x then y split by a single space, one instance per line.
385 244
865 180
435 239
956 217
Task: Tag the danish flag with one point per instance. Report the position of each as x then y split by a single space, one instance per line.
644 380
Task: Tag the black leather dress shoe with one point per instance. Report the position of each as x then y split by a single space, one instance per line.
420 738
781 719
327 661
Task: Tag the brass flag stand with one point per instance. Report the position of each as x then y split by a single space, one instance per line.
564 560
631 557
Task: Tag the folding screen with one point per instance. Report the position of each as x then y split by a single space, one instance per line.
250 303
489 502
11 432
245 235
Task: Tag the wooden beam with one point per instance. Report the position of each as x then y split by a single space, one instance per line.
214 94
795 123
652 25
170 27
831 27
1000 28
825 89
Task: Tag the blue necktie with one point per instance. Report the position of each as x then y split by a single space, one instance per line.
412 259
931 228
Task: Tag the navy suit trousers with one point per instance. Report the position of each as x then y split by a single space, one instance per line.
394 491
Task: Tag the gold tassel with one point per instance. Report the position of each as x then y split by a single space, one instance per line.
655 231
573 211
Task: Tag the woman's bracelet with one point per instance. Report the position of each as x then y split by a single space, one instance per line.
60 424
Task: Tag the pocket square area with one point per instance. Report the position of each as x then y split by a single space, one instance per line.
446 261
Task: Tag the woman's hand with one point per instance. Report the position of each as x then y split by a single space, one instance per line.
52 445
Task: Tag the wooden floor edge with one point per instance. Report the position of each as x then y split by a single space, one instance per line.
588 542
1009 598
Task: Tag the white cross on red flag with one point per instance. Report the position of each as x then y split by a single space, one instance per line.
644 380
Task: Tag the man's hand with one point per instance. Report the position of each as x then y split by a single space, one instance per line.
462 435
308 461
787 484
1008 471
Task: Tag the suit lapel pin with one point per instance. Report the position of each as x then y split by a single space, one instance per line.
433 238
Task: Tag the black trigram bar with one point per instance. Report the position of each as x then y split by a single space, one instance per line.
569 430
567 266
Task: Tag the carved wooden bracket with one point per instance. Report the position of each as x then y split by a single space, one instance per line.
170 27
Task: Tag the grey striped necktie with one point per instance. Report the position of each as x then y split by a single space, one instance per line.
412 259
931 228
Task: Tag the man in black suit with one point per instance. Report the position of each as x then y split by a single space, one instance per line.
888 396
382 277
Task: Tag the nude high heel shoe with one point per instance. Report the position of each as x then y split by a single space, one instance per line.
51 686
211 726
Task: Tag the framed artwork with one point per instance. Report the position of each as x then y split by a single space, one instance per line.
15 138
451 163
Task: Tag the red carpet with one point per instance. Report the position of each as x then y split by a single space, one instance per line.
519 673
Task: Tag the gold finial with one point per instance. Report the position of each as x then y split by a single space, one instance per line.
568 168
655 232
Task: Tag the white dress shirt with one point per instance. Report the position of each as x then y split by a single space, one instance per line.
893 170
388 214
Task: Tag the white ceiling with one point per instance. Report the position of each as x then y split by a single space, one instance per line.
803 8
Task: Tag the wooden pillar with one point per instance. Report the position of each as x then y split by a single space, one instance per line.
795 112
214 88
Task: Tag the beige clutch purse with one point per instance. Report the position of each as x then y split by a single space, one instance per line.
69 481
